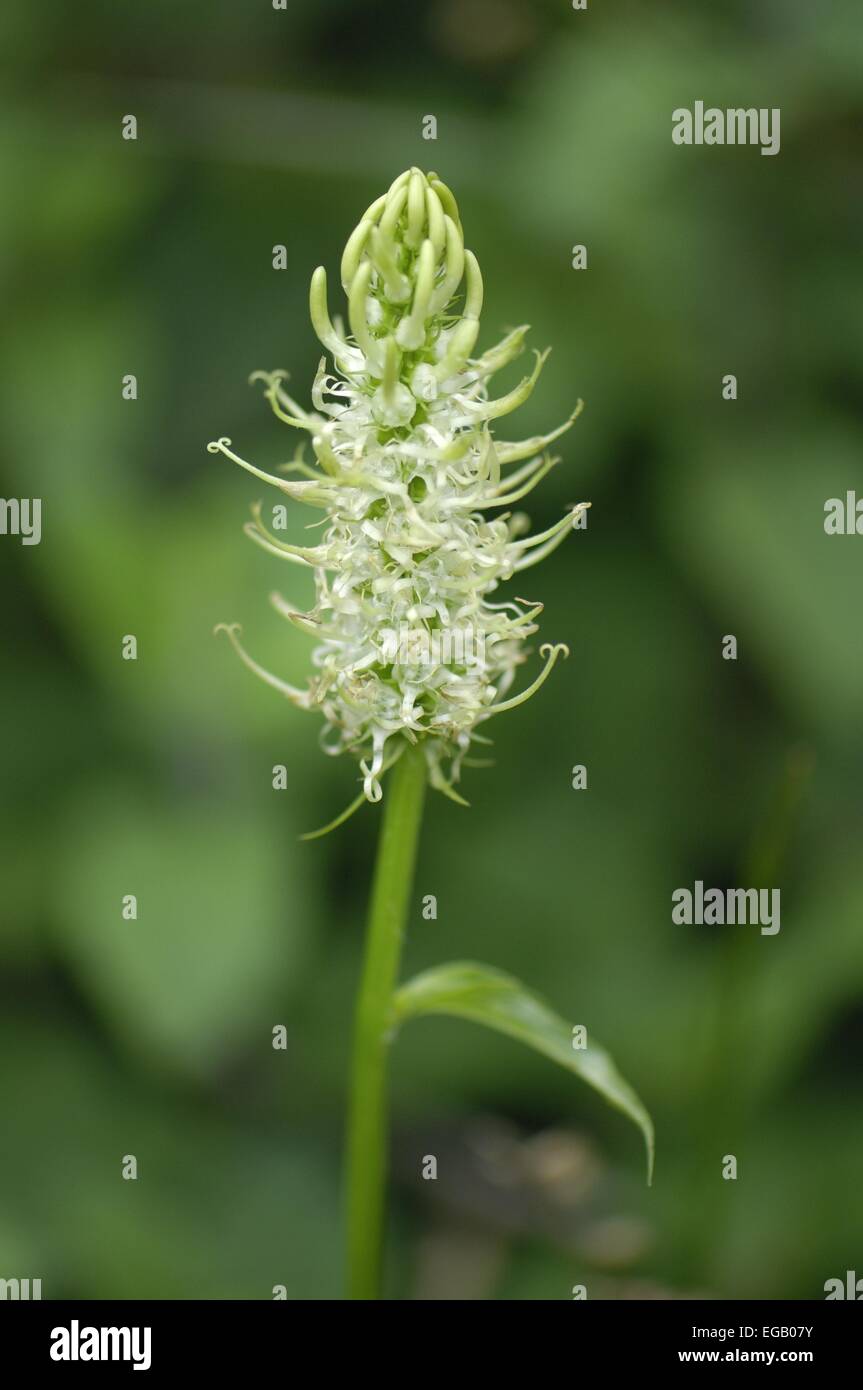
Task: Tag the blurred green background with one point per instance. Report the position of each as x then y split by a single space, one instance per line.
153 1037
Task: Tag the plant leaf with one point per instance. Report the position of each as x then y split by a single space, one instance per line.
481 994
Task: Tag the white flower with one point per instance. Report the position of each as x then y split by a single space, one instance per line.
420 530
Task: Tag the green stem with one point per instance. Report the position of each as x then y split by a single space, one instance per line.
367 1123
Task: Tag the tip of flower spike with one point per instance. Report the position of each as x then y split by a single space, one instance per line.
402 264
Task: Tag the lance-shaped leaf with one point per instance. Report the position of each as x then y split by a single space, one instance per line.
467 990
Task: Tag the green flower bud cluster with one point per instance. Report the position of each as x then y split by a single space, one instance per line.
417 496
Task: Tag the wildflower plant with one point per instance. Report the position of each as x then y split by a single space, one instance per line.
414 651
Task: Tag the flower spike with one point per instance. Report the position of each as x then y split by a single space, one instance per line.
412 644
